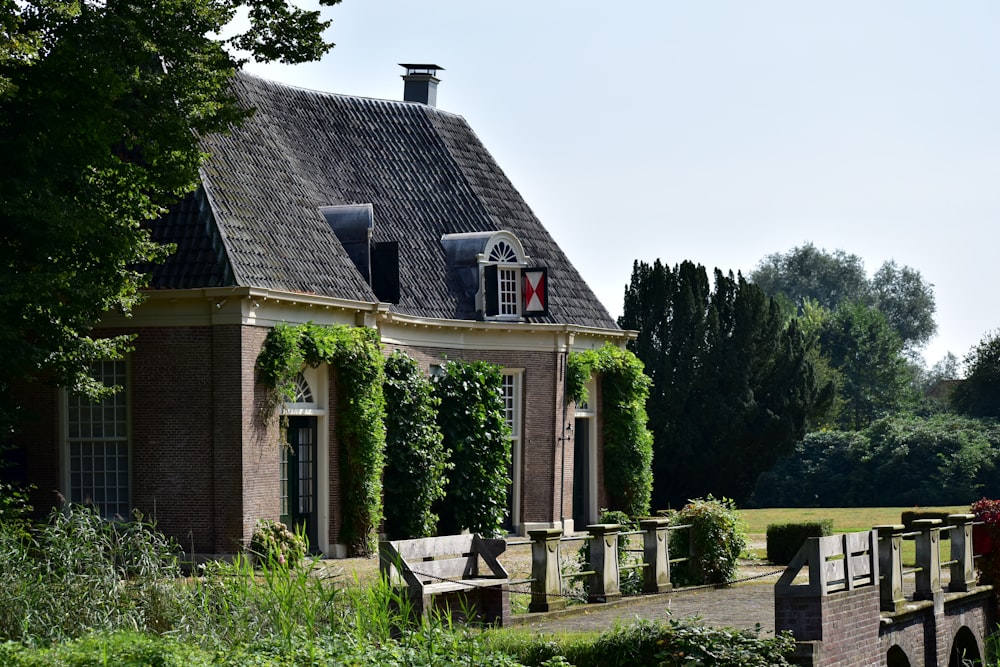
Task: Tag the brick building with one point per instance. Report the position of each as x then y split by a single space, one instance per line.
331 209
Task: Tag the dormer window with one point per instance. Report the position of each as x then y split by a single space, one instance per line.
492 268
502 262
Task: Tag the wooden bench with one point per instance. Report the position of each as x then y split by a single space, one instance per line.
447 573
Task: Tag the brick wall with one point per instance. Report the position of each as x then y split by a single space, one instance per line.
846 623
172 432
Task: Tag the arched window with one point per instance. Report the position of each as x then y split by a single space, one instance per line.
502 262
303 394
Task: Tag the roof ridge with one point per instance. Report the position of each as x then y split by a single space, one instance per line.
366 98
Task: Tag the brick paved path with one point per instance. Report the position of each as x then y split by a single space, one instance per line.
740 606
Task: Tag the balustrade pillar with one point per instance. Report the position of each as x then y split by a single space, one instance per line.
890 565
655 555
603 584
929 561
963 569
546 573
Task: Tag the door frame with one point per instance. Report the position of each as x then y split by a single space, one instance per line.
318 382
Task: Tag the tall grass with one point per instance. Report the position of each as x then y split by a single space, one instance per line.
79 590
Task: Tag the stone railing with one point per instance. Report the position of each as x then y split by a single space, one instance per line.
548 579
852 560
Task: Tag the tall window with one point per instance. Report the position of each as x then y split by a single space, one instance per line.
512 392
98 445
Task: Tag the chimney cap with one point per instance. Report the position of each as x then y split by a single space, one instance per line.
421 68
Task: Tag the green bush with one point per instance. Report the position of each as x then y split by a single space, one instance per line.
714 541
629 581
683 643
272 541
785 539
416 462
476 435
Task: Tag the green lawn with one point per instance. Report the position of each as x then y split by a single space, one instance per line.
845 520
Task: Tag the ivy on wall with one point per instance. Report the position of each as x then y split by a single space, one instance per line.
628 443
416 461
354 354
476 434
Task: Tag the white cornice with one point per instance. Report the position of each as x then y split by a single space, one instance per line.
262 307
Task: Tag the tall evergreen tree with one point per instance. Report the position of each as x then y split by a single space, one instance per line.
731 384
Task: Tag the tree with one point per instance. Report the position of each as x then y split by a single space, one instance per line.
101 107
867 354
907 303
978 395
829 279
731 386
812 274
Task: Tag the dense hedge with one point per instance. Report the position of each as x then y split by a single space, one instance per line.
628 443
416 461
902 461
785 539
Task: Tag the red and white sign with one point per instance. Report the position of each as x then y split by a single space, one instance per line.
535 292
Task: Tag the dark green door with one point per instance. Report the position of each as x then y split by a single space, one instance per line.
581 473
298 478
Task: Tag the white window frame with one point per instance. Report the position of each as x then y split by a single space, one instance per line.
80 437
505 252
513 413
588 410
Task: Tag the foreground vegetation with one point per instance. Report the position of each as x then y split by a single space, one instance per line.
79 590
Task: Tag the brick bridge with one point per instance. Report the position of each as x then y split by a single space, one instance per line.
858 606
846 598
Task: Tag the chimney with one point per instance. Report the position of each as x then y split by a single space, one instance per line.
420 83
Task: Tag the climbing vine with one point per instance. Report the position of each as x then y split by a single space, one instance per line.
416 461
476 435
355 356
628 443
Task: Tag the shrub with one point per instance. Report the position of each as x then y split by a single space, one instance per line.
415 459
629 581
714 541
785 539
684 643
476 435
272 541
986 540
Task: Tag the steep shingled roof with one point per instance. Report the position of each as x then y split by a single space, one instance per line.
424 171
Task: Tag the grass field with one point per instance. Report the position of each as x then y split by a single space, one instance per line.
845 520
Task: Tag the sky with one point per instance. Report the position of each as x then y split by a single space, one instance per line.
719 131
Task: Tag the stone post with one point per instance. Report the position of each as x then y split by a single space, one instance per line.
655 555
603 584
963 569
890 564
929 561
546 585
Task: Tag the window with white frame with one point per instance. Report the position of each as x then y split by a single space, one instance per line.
512 393
502 263
97 445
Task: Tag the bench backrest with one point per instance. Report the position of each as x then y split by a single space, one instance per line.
430 560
